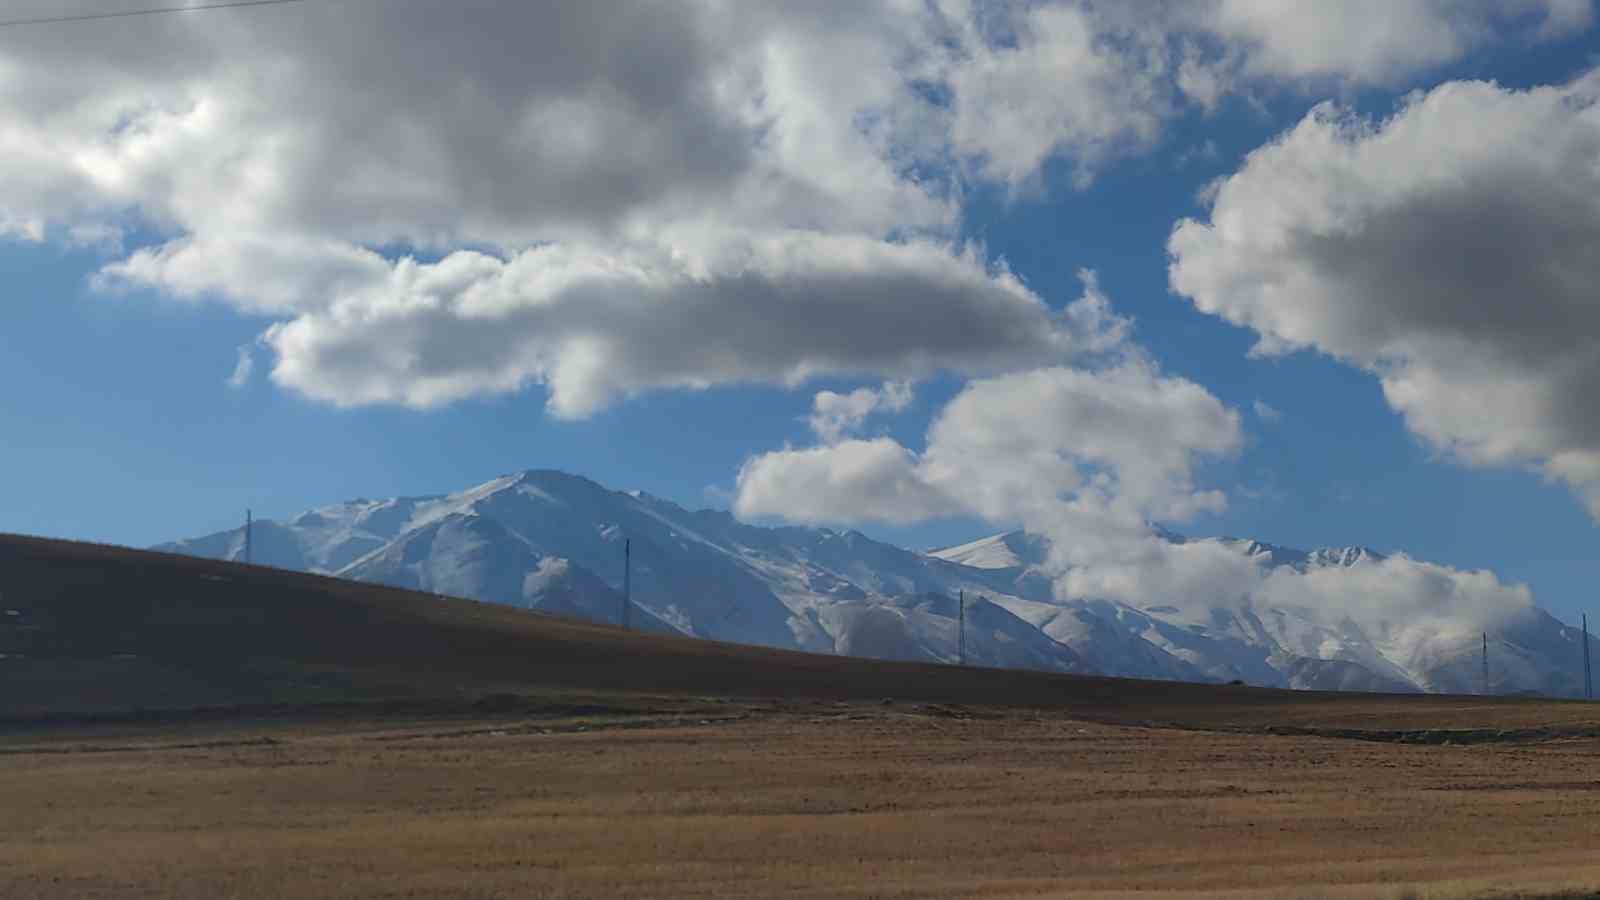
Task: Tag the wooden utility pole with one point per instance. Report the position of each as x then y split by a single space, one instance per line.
627 582
961 635
1588 685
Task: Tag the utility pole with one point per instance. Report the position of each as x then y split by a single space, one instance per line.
1486 663
961 637
248 528
1588 685
627 581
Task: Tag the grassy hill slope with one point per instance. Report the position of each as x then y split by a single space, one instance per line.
94 630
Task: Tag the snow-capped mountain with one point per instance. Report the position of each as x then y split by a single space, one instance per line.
553 541
1011 550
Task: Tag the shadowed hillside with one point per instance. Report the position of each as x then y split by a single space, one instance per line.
87 629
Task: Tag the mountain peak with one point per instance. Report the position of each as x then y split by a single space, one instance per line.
544 477
1345 556
1008 550
552 485
551 540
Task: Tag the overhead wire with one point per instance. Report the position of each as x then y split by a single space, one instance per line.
153 11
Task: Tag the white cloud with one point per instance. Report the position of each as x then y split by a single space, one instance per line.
1378 41
331 121
610 199
1266 412
686 160
593 195
1089 458
1117 444
243 369
848 481
1408 606
1459 271
1088 82
1123 439
594 326
1400 591
834 415
1114 443
269 274
1036 82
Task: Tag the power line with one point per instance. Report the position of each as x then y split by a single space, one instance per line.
1589 691
90 17
961 639
627 583
1486 663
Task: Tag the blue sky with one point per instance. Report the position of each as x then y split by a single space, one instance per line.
119 425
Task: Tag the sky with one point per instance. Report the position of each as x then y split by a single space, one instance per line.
1315 273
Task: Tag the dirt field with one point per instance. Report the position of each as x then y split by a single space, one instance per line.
818 799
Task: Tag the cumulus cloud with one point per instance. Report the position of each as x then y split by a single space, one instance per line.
1089 82
1111 439
1369 42
1035 82
847 481
1400 591
679 165
1087 459
1461 273
833 415
594 326
430 202
1123 440
1118 443
1091 458
1266 412
593 120
418 238
1400 601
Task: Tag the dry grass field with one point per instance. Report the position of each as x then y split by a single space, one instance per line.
822 799
182 728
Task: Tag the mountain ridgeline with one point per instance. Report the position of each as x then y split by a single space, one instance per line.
553 542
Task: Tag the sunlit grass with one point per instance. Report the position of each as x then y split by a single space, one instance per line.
890 804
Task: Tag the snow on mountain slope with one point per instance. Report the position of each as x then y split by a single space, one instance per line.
553 541
927 628
1010 550
272 544
325 539
467 555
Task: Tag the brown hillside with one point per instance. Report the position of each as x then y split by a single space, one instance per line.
88 629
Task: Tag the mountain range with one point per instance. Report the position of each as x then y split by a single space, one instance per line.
555 542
